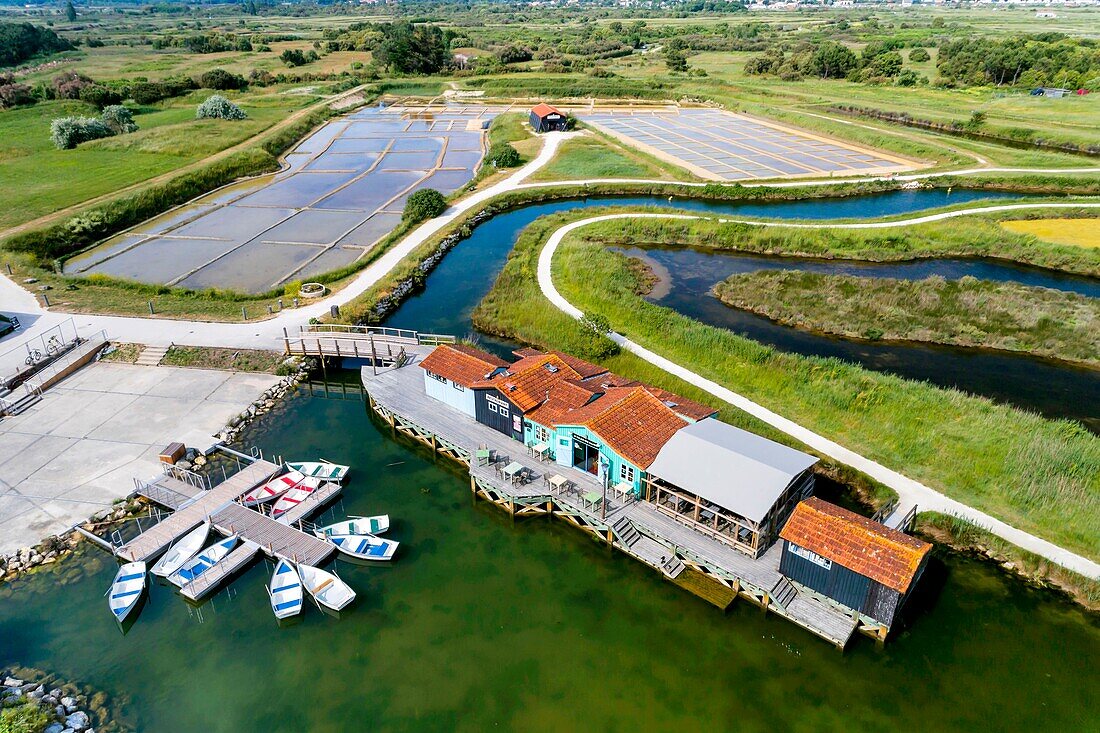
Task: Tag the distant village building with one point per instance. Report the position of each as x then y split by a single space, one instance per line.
545 118
851 560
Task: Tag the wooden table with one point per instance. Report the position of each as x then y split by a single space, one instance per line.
483 455
557 482
512 470
540 451
593 498
624 490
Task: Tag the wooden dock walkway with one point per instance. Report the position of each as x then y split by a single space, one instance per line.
636 527
380 345
157 538
274 538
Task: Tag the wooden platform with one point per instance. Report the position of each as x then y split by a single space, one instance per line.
157 539
380 345
274 538
637 528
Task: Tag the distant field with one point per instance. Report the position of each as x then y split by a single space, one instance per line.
38 179
1078 232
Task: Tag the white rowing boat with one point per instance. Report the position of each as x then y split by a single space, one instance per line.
327 589
126 589
293 498
362 546
183 550
273 489
377 524
202 562
285 590
324 470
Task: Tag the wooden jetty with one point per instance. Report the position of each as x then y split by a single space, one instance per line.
157 538
376 344
258 532
697 562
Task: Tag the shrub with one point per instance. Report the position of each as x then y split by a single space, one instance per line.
26 717
261 78
503 155
68 132
918 55
424 204
118 119
222 79
219 108
13 94
67 85
295 57
99 95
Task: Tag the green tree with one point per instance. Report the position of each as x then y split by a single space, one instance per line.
427 203
118 119
412 49
217 107
221 79
831 61
503 155
70 11
918 55
675 60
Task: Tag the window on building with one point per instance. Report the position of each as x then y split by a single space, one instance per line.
457 386
626 473
542 435
805 554
437 377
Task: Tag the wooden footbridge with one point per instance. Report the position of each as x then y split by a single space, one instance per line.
375 344
193 504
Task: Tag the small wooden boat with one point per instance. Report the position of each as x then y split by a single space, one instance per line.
362 546
377 524
326 588
285 590
324 470
183 550
294 497
273 489
202 562
126 589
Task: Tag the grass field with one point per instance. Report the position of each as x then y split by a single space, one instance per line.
595 155
966 312
1040 475
38 179
1073 232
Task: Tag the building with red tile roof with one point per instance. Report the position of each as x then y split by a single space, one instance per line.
545 118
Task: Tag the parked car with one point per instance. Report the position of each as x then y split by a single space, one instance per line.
8 324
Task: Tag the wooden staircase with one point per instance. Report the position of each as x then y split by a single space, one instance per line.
673 567
625 531
152 355
783 592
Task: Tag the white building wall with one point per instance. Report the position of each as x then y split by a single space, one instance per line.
450 394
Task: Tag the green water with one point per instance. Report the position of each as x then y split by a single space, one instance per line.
484 624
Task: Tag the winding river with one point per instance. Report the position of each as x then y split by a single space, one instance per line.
1046 386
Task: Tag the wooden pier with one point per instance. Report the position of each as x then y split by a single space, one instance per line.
220 505
680 553
156 539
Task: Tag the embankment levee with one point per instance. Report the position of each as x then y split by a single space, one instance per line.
122 401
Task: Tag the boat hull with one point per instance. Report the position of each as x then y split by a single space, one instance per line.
362 547
325 588
203 562
182 551
126 590
285 591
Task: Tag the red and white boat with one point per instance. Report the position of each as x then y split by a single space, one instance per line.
273 489
293 498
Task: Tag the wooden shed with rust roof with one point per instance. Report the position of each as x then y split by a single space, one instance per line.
545 118
854 561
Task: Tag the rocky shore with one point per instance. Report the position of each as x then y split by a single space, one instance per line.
46 704
267 401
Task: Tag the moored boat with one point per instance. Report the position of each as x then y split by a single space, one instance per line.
181 551
202 562
285 590
377 524
327 589
126 589
293 498
362 546
324 470
273 489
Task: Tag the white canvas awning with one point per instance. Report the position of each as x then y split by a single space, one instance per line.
730 467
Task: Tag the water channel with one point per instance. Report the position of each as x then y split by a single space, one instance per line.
1046 386
482 622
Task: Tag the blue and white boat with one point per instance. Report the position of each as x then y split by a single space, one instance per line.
285 590
377 524
126 589
362 546
202 562
327 589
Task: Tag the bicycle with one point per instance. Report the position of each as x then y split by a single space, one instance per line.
33 357
54 346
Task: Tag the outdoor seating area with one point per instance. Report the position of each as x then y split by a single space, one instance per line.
704 516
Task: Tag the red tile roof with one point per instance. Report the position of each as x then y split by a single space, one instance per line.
527 383
636 427
460 363
869 548
542 109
